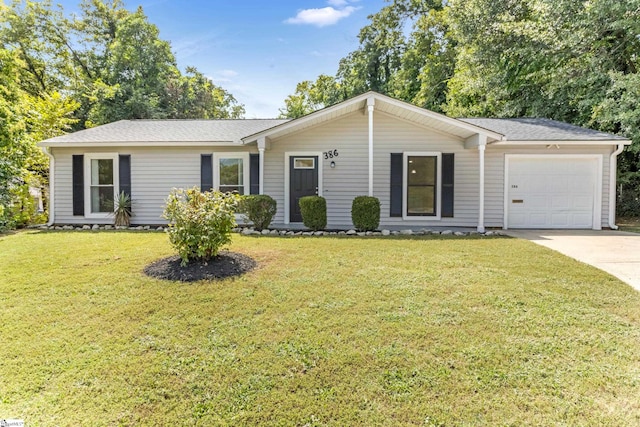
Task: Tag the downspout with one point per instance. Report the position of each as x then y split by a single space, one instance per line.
613 169
52 164
370 104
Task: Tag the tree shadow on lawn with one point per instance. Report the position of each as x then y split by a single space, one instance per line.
226 264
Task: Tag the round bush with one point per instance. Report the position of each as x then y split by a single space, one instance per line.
259 209
365 213
314 212
200 224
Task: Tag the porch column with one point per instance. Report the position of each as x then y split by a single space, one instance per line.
481 148
262 144
370 104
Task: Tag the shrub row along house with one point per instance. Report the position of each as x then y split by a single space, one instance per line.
427 169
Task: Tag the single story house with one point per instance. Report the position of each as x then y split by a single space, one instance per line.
427 169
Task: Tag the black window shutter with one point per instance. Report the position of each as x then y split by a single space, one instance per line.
77 172
206 172
254 174
447 184
124 172
396 184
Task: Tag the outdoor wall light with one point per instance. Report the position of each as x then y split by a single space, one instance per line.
332 164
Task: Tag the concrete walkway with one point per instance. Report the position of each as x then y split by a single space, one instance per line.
616 252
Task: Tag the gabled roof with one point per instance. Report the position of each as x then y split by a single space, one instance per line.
382 103
165 132
237 132
543 130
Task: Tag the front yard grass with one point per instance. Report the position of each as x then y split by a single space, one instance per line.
326 331
629 224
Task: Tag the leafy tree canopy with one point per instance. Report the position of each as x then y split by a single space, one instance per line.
60 73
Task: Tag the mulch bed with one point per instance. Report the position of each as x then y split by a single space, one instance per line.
226 264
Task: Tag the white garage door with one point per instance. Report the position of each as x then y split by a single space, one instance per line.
552 192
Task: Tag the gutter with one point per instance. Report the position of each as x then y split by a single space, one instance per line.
613 166
52 164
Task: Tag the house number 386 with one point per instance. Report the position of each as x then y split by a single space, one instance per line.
330 154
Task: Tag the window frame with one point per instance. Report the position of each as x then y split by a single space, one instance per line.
246 172
438 187
88 157
313 161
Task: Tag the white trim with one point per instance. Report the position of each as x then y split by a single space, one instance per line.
287 177
370 107
613 168
87 182
334 111
560 142
52 180
481 150
97 144
246 174
438 198
597 199
261 171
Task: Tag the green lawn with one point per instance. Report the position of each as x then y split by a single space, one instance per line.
327 331
629 224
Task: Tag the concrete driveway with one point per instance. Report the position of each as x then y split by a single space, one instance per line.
616 252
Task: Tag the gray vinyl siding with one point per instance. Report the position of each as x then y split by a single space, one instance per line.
154 172
348 135
494 177
397 136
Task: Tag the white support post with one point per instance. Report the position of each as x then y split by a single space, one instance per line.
370 107
262 145
261 172
481 149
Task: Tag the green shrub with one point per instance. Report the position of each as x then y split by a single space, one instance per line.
365 213
314 212
258 209
200 224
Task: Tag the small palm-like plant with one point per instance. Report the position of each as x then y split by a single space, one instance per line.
122 209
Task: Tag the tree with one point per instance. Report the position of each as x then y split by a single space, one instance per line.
60 74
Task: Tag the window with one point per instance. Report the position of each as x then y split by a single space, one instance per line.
232 172
101 182
422 185
304 163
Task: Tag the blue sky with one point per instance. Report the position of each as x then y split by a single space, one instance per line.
257 50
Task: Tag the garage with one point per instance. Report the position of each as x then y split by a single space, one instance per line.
561 191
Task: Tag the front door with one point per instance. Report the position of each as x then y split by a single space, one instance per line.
303 181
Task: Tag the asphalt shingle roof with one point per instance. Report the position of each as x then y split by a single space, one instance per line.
171 131
529 129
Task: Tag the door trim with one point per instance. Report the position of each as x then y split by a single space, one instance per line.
597 199
287 176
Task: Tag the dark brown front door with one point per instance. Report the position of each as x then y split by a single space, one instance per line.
303 181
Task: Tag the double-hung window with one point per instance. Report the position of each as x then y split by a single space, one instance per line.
422 185
101 183
231 172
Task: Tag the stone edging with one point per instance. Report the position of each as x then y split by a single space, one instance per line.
273 232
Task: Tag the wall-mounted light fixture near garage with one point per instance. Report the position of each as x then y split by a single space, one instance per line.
332 164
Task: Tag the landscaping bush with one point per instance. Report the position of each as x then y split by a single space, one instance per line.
200 224
314 212
259 210
365 213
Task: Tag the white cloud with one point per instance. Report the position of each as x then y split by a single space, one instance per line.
338 3
223 76
321 17
228 73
